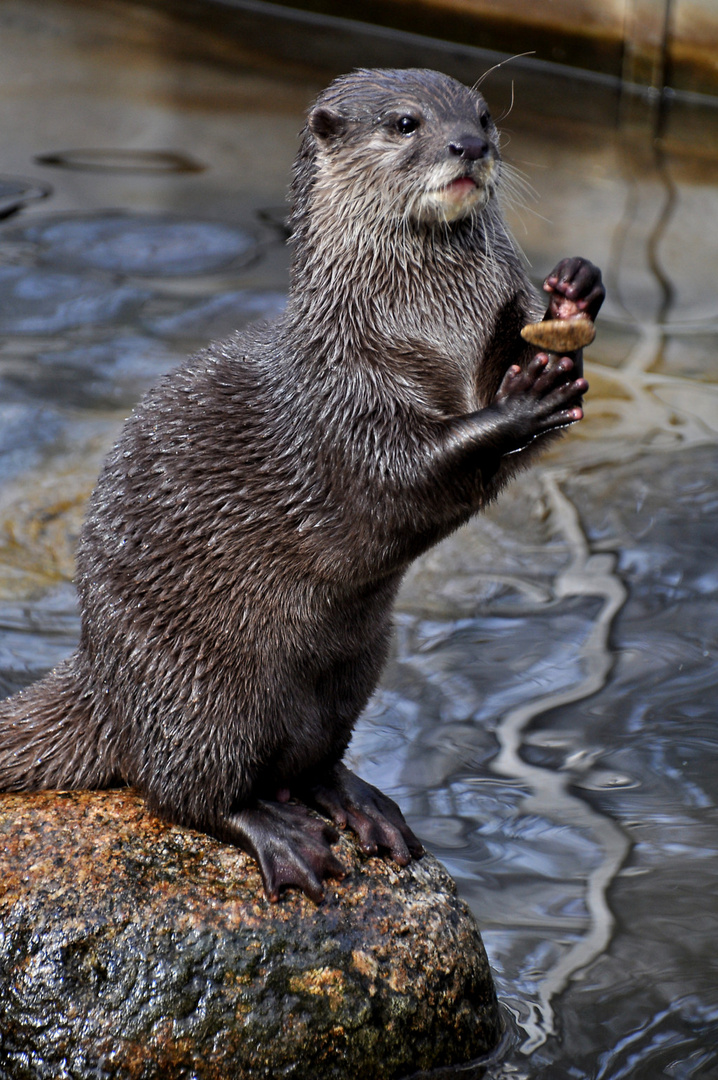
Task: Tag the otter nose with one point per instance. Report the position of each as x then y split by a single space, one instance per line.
469 147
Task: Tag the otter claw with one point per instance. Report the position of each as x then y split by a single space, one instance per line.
375 818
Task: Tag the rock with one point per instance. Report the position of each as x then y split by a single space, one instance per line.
132 948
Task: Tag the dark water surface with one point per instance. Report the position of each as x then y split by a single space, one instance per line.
548 718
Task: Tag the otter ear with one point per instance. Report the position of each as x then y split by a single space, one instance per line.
326 124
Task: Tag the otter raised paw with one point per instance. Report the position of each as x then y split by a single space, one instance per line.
574 287
537 399
577 293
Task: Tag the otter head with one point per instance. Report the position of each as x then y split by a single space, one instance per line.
407 146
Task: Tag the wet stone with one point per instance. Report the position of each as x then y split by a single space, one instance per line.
116 371
125 160
25 430
133 948
215 316
43 301
143 244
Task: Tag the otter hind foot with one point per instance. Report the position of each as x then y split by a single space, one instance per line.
291 845
374 817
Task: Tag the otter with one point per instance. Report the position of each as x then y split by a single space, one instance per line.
249 531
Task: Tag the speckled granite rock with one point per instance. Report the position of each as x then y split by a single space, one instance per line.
130 948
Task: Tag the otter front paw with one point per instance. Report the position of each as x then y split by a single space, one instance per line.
575 286
291 846
374 817
538 399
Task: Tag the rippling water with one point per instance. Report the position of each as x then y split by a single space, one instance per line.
548 715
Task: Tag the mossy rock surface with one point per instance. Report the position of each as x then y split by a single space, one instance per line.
130 948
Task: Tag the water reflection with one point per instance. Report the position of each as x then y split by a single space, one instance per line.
548 715
548 796
218 314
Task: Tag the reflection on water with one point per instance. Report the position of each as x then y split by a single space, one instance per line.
548 715
549 796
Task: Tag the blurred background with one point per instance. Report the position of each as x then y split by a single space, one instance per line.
548 717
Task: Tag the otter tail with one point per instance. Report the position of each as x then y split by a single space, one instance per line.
51 736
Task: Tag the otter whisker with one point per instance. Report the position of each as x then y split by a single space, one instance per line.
509 109
517 56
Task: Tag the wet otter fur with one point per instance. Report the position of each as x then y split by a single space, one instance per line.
250 529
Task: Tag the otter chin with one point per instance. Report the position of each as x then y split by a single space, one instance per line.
249 531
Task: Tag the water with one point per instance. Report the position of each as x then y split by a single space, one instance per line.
548 715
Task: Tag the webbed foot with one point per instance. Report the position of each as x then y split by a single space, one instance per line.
291 845
375 818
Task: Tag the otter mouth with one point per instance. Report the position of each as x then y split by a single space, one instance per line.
459 197
459 188
447 200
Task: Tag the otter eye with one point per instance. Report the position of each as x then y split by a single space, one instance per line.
484 120
406 124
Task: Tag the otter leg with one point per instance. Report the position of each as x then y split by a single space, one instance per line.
374 817
290 844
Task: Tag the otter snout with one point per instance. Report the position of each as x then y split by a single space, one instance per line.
469 147
463 178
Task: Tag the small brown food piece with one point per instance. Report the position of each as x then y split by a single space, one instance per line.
560 335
